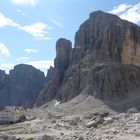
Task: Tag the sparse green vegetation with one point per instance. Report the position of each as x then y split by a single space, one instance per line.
50 116
30 139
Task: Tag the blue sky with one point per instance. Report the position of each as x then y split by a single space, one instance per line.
29 28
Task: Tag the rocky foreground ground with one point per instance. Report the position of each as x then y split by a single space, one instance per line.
72 123
96 126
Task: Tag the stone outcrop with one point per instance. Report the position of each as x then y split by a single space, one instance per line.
55 75
104 61
21 86
4 88
50 73
63 51
111 38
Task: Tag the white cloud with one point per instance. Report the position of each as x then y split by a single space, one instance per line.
1 59
132 14
43 64
57 23
4 21
25 2
4 50
22 59
121 8
29 50
7 66
45 38
20 12
37 30
128 12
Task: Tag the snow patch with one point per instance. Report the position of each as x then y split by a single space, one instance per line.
57 102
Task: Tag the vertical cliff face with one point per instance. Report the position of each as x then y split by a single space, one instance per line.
131 46
112 38
61 63
21 86
102 62
63 52
4 88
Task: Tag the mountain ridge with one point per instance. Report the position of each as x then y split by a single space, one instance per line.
21 86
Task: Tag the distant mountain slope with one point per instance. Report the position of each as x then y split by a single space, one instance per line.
103 63
21 87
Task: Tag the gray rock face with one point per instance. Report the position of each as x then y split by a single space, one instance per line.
63 52
111 38
113 82
50 74
46 137
4 88
61 63
21 87
103 63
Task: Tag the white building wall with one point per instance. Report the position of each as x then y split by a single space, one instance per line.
6 116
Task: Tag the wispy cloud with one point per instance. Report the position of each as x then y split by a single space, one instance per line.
30 50
4 21
43 64
121 8
1 59
22 59
6 66
38 30
4 51
132 14
57 23
20 12
128 12
25 2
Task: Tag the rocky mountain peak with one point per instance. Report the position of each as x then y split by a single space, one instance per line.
112 38
62 46
63 51
96 15
21 86
99 63
56 75
22 66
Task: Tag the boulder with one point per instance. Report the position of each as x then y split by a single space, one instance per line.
95 122
12 138
5 137
132 111
81 138
75 121
109 120
46 137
